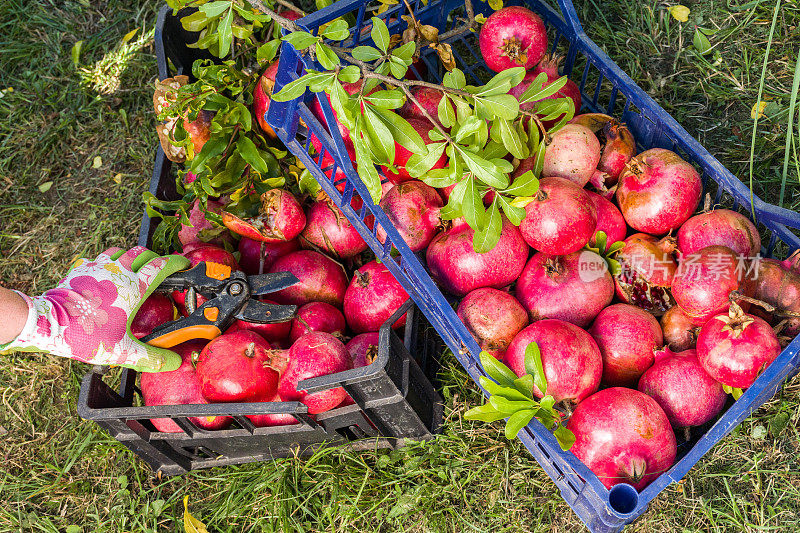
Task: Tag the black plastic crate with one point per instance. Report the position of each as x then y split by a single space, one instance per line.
395 398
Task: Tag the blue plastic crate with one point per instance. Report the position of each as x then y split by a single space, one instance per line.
605 88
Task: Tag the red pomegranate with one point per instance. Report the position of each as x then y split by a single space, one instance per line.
609 221
493 317
321 279
413 209
273 420
281 218
648 269
572 153
623 436
780 287
262 97
680 331
317 316
277 333
251 253
402 154
363 348
428 97
549 66
372 298
198 222
512 37
329 230
617 142
723 227
155 310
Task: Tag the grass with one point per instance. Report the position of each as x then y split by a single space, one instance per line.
60 471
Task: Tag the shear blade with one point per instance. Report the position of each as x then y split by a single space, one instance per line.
266 283
261 313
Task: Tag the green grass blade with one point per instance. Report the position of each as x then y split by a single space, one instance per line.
789 127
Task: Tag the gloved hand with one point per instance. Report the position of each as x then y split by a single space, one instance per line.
88 316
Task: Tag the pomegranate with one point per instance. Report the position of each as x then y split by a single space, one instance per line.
281 218
321 279
372 298
428 97
234 367
512 37
680 331
316 110
276 333
572 153
312 355
251 253
413 208
493 317
401 154
363 348
329 230
780 287
686 393
457 267
647 272
317 316
573 288
705 280
262 97
734 347
609 221
272 420
623 436
571 360
658 191
617 145
561 218
179 387
155 310
198 222
627 337
199 129
792 262
723 227
548 65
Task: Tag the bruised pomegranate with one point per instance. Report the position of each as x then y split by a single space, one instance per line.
680 331
723 227
658 191
627 337
647 272
413 208
780 287
617 145
561 218
686 393
402 154
363 348
329 230
199 129
155 310
457 267
235 367
572 153
262 97
735 347
493 317
623 436
179 387
281 218
705 280
312 355
251 253
274 333
512 37
321 279
609 221
372 298
571 360
574 287
317 316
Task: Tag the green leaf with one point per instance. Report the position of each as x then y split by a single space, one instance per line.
338 30
292 90
502 165
387 99
326 56
397 68
517 421
438 178
497 370
214 9
565 437
513 76
366 53
600 240
380 34
402 131
268 50
195 22
514 214
445 112
510 406
525 185
487 237
493 150
380 135
419 165
538 163
484 413
455 79
538 90
509 393
406 52
468 127
225 34
524 384
301 39
76 52
511 139
247 149
366 170
485 171
535 367
472 205
502 105
321 81
701 42
552 109
350 74
496 4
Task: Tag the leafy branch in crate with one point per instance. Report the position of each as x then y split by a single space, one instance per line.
476 127
512 397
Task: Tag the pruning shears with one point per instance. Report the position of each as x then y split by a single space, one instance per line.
229 297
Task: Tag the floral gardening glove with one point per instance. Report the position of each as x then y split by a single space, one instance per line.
88 316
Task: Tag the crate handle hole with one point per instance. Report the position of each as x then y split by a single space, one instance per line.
623 498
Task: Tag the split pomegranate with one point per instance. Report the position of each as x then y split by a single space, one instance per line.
627 337
276 333
570 357
281 218
735 347
686 393
493 317
251 253
155 310
561 218
572 153
321 279
329 230
574 287
723 227
317 316
372 298
609 221
617 145
457 267
312 355
648 269
780 287
402 154
363 348
198 222
658 191
199 129
512 37
234 367
680 331
623 436
413 208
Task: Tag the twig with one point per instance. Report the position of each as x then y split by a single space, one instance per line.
282 21
291 6
427 115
